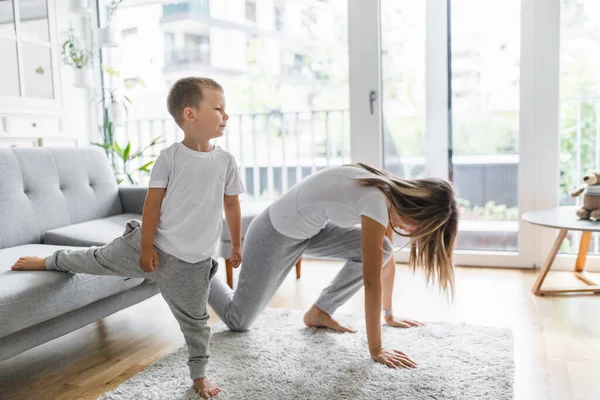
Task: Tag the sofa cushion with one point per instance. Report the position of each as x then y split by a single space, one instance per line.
97 232
30 297
46 188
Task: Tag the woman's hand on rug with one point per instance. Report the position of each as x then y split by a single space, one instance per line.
401 323
393 359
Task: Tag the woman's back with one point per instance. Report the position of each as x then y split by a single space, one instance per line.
331 195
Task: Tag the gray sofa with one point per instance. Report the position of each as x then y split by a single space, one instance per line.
52 198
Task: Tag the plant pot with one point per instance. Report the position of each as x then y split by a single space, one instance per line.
108 37
117 114
81 7
82 77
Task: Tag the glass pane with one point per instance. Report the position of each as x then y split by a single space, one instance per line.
7 20
485 58
34 20
286 88
9 78
579 103
403 84
37 70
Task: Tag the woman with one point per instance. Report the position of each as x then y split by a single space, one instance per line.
319 217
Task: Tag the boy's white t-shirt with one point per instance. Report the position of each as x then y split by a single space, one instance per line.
331 195
190 222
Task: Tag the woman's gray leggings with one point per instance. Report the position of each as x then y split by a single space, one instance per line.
268 257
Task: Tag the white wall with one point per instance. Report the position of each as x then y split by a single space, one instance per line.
78 106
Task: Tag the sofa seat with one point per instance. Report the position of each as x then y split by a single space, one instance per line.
30 297
96 232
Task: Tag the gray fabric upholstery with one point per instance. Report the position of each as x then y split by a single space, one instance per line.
43 332
30 297
133 198
65 196
97 232
46 188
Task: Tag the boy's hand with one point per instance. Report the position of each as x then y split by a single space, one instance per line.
236 257
148 260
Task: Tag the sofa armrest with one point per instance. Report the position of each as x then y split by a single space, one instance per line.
133 198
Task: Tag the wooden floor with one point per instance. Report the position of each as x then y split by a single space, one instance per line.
557 339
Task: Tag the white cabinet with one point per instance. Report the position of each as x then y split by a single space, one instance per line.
28 45
30 106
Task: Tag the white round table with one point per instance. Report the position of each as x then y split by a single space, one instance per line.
564 219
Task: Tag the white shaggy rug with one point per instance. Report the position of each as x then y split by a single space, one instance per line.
279 358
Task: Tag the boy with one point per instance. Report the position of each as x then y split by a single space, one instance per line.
191 184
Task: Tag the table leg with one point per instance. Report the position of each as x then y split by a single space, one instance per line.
549 260
584 246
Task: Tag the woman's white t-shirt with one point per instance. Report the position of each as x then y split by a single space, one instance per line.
331 195
191 215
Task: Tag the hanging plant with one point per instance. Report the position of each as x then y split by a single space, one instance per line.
108 36
74 53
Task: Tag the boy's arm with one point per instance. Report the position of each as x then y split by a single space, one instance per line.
150 215
233 216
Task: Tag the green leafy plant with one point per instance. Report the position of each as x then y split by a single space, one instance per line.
74 52
123 156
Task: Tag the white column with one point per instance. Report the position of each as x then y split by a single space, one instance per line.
437 110
365 81
539 122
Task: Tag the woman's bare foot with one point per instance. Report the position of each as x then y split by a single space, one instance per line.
30 264
315 317
206 388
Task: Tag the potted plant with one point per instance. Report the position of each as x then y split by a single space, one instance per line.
118 102
122 156
75 54
108 36
118 107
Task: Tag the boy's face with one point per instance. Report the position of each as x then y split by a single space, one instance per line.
208 120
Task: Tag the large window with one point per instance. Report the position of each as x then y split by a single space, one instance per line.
464 90
482 125
579 102
286 82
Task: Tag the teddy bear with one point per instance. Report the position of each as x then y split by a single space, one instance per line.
591 197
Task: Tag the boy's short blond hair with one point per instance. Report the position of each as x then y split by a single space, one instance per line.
188 92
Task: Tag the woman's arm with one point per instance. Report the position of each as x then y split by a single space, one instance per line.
372 234
387 283
388 275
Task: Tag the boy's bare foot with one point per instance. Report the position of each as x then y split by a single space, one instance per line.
206 388
315 317
30 264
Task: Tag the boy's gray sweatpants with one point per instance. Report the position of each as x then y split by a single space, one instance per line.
184 286
268 257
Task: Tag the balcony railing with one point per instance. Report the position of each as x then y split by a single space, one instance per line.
179 57
276 150
273 150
